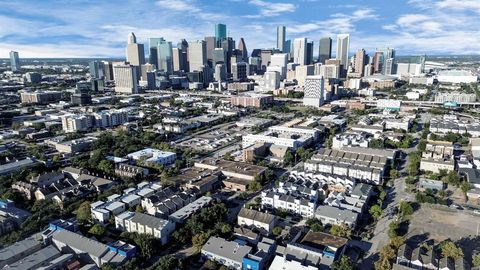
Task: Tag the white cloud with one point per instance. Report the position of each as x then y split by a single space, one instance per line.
269 9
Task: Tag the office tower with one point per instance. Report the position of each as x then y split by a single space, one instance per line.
378 62
281 38
314 91
145 69
176 59
228 46
368 70
218 56
151 78
197 53
309 52
242 47
164 55
280 61
153 49
108 70
331 69
325 49
300 51
288 47
360 61
220 33
220 72
125 79
14 61
389 66
386 54
135 51
239 71
184 59
210 43
255 63
96 69
302 72
343 47
266 55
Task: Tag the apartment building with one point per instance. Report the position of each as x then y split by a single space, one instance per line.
145 224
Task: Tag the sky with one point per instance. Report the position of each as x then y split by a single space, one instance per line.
92 28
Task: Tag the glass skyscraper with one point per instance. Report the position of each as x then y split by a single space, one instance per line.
220 33
14 61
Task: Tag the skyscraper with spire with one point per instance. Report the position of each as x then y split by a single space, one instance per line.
135 52
243 49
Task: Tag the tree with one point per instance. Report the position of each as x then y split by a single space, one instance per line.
199 240
476 260
465 187
105 166
405 208
288 158
277 231
449 249
394 174
97 230
166 262
281 212
84 213
341 230
375 211
343 264
254 186
210 265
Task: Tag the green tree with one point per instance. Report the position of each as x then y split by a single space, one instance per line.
84 213
405 209
288 158
199 240
394 174
254 186
97 230
476 260
343 264
341 230
449 249
146 244
277 231
210 265
166 262
375 211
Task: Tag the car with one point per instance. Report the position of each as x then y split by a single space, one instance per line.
476 212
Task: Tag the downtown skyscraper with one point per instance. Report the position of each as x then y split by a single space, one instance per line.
14 61
325 49
281 38
343 47
300 51
135 52
220 33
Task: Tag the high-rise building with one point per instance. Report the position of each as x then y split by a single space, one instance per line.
96 69
135 51
197 53
300 51
184 59
242 47
378 62
239 71
309 52
386 54
210 43
108 70
360 61
325 49
219 56
14 61
153 49
164 54
220 72
125 78
390 66
368 70
220 33
144 70
228 46
343 47
281 38
279 61
314 91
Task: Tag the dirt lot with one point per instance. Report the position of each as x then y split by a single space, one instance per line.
441 224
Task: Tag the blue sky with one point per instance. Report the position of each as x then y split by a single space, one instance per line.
88 28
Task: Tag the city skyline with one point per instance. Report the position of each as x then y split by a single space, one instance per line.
411 27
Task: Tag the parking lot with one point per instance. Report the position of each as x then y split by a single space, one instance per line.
441 224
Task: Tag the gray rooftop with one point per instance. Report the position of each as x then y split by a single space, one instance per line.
34 260
336 213
80 242
17 248
256 215
226 249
